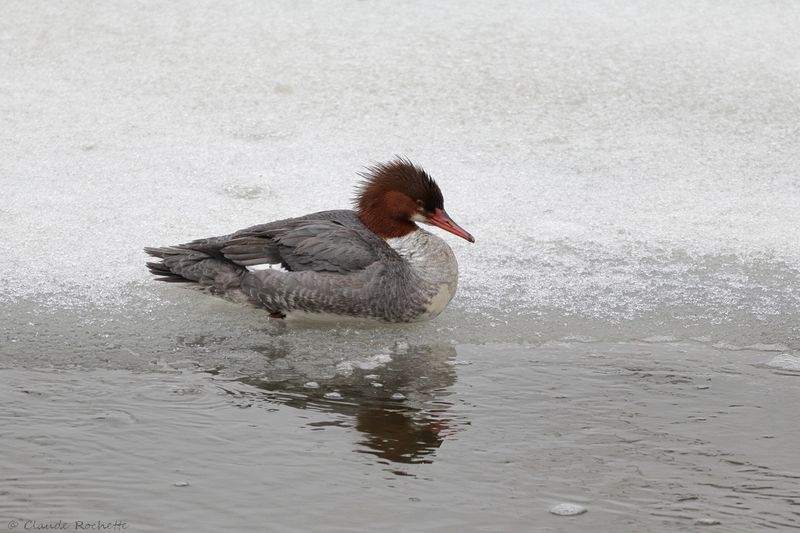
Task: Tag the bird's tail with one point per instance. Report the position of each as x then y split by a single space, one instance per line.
184 264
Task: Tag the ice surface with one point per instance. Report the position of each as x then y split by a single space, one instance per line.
785 362
618 163
333 396
371 363
567 509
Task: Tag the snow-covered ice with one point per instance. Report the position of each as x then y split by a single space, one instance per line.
617 163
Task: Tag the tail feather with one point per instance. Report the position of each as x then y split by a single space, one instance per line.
163 273
184 264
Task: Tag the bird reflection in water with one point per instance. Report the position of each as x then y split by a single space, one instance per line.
397 429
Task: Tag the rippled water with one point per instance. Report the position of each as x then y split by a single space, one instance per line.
649 436
626 335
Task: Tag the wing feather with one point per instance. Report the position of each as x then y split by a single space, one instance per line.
309 245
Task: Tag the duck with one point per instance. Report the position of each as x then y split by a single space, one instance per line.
373 262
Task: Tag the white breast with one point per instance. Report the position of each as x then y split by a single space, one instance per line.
433 261
439 301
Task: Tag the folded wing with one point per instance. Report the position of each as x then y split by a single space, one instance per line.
302 245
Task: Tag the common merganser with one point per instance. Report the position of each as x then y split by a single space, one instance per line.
372 263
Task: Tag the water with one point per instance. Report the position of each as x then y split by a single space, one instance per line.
647 436
625 336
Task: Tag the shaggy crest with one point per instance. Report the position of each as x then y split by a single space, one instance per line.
399 175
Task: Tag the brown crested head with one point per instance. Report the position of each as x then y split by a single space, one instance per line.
395 195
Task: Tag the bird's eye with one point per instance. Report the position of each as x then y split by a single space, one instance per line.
420 204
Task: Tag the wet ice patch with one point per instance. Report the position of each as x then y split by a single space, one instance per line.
660 338
785 361
246 192
346 368
774 347
568 509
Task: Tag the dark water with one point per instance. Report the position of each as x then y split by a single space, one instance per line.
196 435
